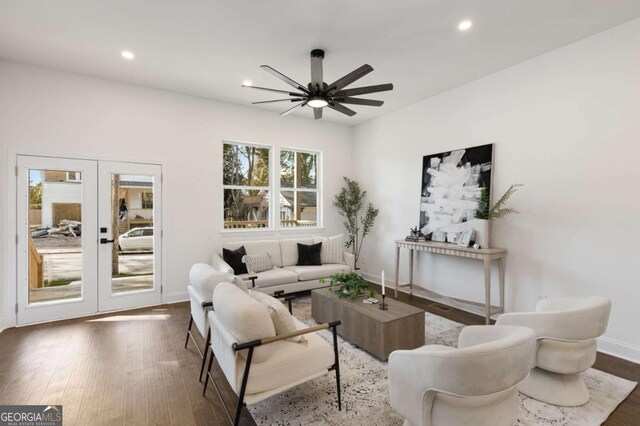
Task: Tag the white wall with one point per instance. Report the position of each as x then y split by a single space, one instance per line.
566 125
49 112
58 192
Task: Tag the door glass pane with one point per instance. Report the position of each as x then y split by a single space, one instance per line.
132 232
55 229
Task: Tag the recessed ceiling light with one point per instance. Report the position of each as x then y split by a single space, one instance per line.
465 25
247 83
127 54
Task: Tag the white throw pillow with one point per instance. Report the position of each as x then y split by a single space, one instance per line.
257 262
244 317
282 320
332 249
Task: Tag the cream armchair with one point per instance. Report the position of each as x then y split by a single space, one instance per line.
475 384
566 330
256 362
203 279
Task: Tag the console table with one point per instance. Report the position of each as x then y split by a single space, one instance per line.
485 255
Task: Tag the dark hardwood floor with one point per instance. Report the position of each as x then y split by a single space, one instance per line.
131 368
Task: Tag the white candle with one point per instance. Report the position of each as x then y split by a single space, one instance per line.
383 282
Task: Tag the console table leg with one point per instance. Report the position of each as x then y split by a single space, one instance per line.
397 270
411 273
501 278
487 289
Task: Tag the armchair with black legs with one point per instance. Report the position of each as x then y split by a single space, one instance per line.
255 361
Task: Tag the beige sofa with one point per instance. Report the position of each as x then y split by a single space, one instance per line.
285 275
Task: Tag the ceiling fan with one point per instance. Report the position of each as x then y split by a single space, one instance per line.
318 94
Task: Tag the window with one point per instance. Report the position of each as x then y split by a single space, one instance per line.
298 188
246 183
147 232
147 200
136 233
73 177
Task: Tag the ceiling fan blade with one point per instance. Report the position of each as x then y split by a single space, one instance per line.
364 90
290 110
341 108
317 55
278 100
274 90
317 113
358 101
284 78
351 77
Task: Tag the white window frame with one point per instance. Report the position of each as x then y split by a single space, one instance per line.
272 222
317 189
274 191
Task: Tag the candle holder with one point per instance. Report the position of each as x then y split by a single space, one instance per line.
383 306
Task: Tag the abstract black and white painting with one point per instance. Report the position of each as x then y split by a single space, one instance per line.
451 185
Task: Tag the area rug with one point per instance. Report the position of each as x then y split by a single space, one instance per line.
365 394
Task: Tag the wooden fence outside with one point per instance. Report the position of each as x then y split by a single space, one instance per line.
35 217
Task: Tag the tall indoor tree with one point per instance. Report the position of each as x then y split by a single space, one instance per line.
350 202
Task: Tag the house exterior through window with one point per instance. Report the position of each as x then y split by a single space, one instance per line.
250 192
246 181
299 194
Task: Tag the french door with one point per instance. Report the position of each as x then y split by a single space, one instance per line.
89 237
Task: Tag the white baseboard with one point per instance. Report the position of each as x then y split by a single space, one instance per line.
619 349
605 345
182 296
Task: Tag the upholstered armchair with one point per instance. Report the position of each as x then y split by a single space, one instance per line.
203 279
474 384
566 331
257 362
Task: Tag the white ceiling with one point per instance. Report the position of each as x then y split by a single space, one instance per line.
207 48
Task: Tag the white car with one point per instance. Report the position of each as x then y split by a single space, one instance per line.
137 239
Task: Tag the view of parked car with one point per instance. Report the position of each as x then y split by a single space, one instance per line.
137 239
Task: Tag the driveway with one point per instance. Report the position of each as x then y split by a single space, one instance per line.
69 265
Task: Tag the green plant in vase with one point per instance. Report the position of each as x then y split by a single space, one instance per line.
485 213
349 285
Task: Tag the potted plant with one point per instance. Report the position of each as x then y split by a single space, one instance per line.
358 222
350 285
485 213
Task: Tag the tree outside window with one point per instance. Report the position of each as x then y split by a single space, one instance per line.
246 185
298 188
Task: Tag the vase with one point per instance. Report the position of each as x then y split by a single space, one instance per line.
482 228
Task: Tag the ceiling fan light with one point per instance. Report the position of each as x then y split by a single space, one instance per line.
317 103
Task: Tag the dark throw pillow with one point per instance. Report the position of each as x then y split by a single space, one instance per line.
234 259
309 255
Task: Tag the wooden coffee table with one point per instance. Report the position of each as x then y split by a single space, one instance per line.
376 331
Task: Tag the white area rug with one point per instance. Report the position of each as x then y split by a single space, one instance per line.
365 395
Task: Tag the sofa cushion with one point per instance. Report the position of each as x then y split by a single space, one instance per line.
289 363
275 276
309 254
204 278
306 273
290 250
282 320
234 259
244 318
257 262
259 247
332 249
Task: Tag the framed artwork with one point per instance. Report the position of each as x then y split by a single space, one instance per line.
451 186
465 237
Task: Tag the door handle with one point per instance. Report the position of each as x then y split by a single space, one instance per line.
105 241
